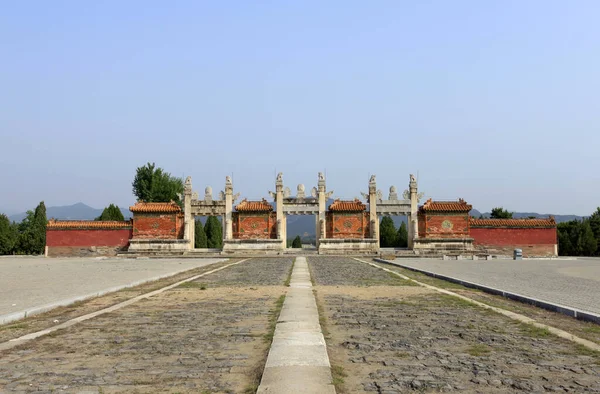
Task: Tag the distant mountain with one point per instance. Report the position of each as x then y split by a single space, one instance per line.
78 211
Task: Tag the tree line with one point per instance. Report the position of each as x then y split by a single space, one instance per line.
27 237
580 237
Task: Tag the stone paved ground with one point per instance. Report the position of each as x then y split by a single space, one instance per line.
573 283
28 282
393 339
205 336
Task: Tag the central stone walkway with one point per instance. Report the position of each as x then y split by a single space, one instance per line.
298 361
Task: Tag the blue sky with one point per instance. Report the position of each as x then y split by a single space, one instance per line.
496 102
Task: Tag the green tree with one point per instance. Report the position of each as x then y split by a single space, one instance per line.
32 231
153 184
595 225
587 244
297 242
201 241
112 212
214 232
565 247
402 236
501 213
9 235
387 232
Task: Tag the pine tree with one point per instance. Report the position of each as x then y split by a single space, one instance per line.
32 231
112 212
40 228
297 242
500 213
565 247
201 241
152 184
387 232
8 235
402 236
595 225
587 242
214 232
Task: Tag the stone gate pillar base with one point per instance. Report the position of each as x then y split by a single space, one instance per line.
441 246
348 246
249 246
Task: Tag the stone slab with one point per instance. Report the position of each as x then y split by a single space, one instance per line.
568 286
298 360
31 285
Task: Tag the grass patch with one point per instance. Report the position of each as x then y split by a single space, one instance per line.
478 350
268 337
592 328
193 285
338 374
18 326
289 275
534 332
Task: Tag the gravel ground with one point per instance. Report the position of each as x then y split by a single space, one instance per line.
331 271
393 339
199 337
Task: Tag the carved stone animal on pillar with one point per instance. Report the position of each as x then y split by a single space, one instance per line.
280 177
300 191
187 186
393 193
321 176
228 181
313 192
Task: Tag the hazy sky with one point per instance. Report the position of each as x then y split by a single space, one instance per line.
496 102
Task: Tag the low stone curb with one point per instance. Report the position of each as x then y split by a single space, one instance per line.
10 317
565 310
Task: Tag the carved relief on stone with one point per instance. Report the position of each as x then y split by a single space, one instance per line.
287 192
379 195
393 193
273 195
235 196
365 195
420 196
329 194
300 191
313 192
406 195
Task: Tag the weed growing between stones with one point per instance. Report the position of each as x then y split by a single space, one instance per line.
478 350
289 275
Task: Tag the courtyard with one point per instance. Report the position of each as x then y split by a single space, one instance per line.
383 334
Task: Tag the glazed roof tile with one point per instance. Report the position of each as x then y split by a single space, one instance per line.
254 206
520 223
347 206
155 207
446 206
87 224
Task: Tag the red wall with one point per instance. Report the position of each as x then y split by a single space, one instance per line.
83 237
157 225
514 236
457 225
254 225
348 225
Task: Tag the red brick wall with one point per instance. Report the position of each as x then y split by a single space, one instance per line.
87 242
347 225
444 225
254 225
157 225
83 237
501 240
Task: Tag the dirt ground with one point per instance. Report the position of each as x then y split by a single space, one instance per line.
211 335
392 338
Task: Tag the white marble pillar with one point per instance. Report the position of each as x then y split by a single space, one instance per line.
413 224
188 218
373 219
279 210
322 218
228 217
